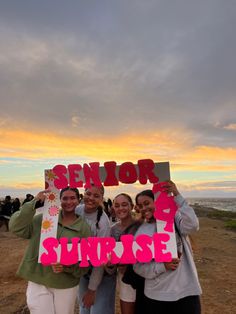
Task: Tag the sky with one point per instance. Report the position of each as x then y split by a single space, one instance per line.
84 81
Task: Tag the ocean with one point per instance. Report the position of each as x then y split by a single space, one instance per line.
228 204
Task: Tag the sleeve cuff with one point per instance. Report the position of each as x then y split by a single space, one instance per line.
179 200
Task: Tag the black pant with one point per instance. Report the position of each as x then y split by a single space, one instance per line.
140 298
187 305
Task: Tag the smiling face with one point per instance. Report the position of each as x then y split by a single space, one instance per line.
146 206
93 198
69 201
122 205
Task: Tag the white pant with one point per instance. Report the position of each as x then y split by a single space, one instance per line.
44 300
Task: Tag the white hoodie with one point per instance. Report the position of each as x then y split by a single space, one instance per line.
168 285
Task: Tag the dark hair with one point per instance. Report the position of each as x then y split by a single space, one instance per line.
100 208
109 202
148 193
101 188
68 188
8 198
127 196
99 215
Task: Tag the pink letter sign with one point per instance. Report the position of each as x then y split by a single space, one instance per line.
98 251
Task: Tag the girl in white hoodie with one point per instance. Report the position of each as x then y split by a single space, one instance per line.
171 287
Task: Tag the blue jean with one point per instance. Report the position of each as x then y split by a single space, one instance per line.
105 295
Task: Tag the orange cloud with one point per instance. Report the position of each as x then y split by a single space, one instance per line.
34 145
175 146
213 154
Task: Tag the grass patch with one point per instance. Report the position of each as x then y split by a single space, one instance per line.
214 213
221 214
231 224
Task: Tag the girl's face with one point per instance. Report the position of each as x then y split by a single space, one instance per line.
69 201
146 206
93 197
122 207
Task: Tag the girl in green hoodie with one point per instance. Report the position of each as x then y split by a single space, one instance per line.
51 289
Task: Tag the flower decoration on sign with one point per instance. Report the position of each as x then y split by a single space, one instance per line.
47 225
53 211
51 197
50 175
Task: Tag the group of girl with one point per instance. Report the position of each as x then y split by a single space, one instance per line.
153 287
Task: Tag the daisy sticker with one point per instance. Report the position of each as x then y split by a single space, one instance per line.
51 197
47 225
53 211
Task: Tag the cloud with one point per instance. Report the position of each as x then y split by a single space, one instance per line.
214 155
231 126
117 80
226 186
174 68
42 144
75 121
204 165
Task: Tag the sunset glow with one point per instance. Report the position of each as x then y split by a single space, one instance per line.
100 83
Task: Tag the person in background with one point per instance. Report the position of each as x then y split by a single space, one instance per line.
28 198
7 206
97 288
107 207
171 287
81 198
113 218
6 211
15 205
109 202
51 289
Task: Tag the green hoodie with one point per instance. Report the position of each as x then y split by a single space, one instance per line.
27 225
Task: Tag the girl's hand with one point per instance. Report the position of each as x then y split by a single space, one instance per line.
173 264
170 187
57 268
41 195
109 267
89 298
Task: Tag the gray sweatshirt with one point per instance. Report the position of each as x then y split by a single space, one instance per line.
101 232
168 285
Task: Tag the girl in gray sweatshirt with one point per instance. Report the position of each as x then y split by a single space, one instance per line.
171 287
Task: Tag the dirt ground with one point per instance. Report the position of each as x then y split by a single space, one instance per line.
215 257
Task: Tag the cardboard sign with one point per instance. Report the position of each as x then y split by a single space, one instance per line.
98 251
